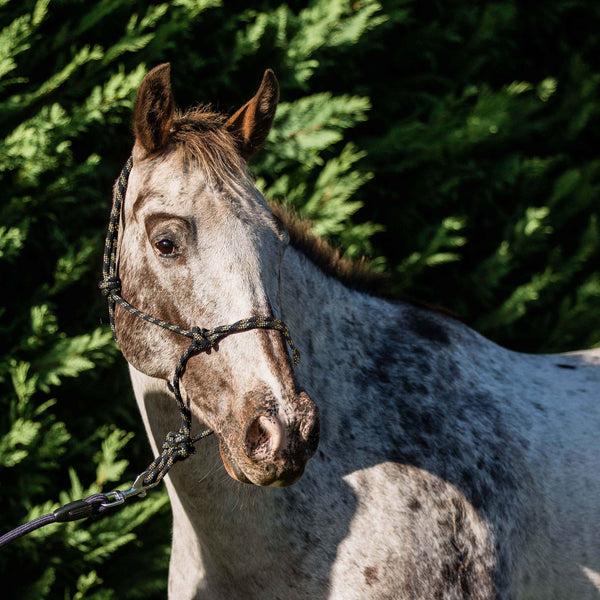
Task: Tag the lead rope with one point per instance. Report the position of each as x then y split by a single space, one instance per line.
179 444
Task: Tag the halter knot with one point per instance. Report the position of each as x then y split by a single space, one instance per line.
179 443
202 338
109 285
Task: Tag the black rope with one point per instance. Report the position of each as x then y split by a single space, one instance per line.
73 511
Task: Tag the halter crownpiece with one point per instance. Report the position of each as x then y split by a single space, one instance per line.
178 444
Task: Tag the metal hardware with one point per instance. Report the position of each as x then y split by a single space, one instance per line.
138 488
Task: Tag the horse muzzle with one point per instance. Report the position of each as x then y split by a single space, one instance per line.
273 449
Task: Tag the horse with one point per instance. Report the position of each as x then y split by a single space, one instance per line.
438 465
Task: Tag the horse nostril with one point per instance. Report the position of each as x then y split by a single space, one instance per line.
264 438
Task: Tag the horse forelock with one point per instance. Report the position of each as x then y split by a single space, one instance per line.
199 138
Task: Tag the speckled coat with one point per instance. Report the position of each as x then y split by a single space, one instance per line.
448 467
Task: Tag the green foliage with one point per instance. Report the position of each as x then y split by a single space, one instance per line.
484 160
454 143
66 94
305 173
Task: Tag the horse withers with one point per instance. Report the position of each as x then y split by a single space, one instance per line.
447 467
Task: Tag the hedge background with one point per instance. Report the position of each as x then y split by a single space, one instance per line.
453 142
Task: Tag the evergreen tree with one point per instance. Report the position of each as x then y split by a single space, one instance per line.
454 143
485 161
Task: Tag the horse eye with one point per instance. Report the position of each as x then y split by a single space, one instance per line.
165 246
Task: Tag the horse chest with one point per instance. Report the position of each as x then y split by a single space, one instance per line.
385 531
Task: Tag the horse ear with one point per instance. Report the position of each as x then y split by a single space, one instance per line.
154 109
251 124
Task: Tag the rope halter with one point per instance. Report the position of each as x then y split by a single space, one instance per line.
178 445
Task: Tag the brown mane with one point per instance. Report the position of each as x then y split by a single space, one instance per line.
357 274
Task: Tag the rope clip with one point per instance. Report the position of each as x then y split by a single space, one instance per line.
138 488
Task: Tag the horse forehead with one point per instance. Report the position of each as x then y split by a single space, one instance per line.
173 185
161 190
166 179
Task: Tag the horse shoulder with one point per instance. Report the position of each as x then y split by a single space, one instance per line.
413 535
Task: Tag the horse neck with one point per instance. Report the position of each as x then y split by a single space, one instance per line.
349 341
330 322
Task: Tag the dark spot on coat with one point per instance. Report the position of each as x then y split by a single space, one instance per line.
453 371
565 366
345 429
427 328
424 368
412 387
420 351
414 505
370 574
418 420
359 412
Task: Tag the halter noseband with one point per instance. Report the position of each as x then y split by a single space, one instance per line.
178 444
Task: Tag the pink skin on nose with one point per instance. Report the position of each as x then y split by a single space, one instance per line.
265 438
272 450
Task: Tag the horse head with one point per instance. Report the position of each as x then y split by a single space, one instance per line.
199 247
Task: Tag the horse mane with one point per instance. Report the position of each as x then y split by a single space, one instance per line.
199 135
354 273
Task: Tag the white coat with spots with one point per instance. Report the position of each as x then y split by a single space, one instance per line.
447 467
